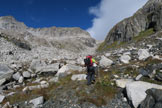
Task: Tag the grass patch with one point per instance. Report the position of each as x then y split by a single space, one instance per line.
151 61
143 34
98 101
102 91
21 96
146 79
117 44
103 46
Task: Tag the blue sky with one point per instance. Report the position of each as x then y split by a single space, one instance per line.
46 13
95 16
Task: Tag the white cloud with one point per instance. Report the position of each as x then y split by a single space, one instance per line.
110 12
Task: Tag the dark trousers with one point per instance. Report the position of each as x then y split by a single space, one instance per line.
90 75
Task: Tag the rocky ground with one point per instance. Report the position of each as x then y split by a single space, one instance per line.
126 76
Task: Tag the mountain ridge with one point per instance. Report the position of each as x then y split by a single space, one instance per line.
149 16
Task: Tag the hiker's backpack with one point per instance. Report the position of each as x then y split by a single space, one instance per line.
88 61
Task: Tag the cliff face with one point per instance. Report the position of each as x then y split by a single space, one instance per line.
150 16
53 42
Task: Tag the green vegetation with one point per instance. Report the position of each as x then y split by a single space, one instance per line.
22 96
101 47
147 79
104 46
143 34
150 61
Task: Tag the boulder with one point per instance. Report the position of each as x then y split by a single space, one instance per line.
36 64
2 97
37 101
122 82
43 82
63 71
153 99
67 69
105 62
79 77
5 71
2 81
143 54
7 105
28 88
136 91
74 68
139 77
158 76
48 69
144 72
125 58
16 76
80 61
108 54
21 79
53 80
26 74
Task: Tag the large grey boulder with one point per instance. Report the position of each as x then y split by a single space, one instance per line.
153 99
74 68
7 105
136 91
68 69
63 71
5 71
138 77
143 54
54 80
37 101
80 61
36 64
51 69
16 76
21 79
2 81
125 58
79 77
2 97
105 62
26 74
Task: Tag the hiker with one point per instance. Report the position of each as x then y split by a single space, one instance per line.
89 62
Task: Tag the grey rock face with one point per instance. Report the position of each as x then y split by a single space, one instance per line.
5 71
105 62
9 22
153 99
79 77
2 98
19 42
38 101
150 16
125 58
16 76
136 91
26 74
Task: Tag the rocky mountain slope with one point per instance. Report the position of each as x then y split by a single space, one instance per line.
149 16
24 43
33 74
125 79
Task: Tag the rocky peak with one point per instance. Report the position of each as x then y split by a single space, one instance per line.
59 32
150 16
10 23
